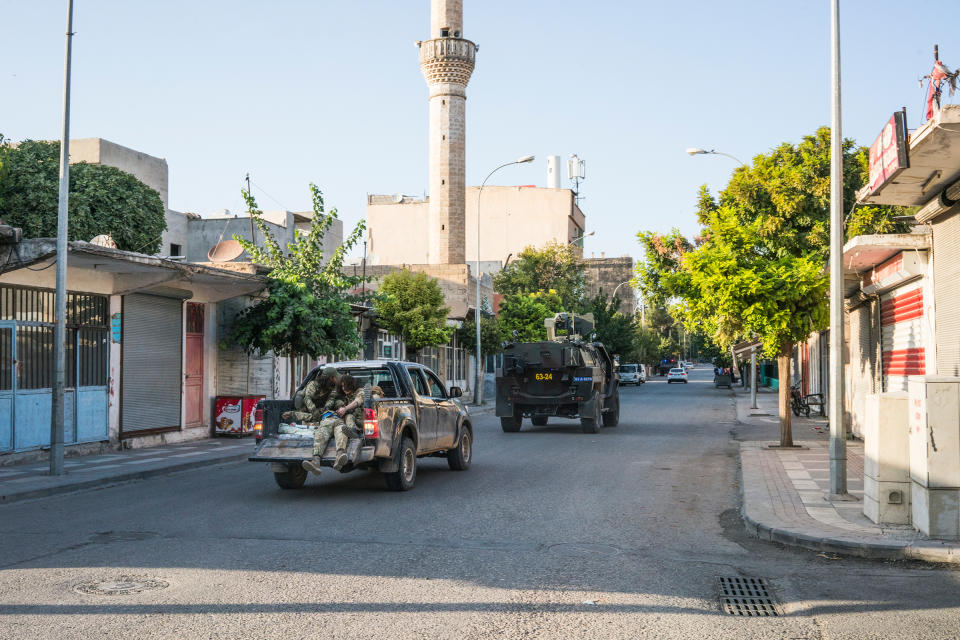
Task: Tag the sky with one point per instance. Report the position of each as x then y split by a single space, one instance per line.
296 91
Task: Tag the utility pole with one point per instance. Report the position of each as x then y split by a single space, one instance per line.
253 239
753 378
838 436
60 328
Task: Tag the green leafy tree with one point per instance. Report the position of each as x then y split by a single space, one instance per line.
614 329
411 305
490 336
307 310
554 267
103 199
522 315
662 255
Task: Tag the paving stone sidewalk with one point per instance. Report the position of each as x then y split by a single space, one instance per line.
784 494
31 480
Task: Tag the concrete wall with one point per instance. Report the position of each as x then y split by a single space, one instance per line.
204 233
456 281
150 170
513 218
606 274
177 233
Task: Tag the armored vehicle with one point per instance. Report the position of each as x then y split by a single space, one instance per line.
564 376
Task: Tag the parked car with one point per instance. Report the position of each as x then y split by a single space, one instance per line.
632 374
677 375
417 417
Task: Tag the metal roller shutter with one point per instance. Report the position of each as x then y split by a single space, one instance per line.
946 283
901 331
152 348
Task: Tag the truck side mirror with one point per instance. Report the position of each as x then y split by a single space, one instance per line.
456 392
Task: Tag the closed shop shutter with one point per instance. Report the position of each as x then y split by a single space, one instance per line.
152 347
901 330
946 283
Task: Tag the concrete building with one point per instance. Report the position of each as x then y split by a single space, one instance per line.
143 356
513 218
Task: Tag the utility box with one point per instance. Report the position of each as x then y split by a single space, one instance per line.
934 419
886 458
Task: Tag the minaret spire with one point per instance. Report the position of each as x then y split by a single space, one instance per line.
447 61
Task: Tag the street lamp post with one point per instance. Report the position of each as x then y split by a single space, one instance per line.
694 151
478 378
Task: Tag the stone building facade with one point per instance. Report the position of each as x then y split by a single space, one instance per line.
606 274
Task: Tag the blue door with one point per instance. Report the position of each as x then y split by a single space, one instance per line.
8 381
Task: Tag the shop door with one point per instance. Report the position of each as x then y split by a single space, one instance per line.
901 330
193 366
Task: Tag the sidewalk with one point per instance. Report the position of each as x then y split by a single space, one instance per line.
783 492
31 480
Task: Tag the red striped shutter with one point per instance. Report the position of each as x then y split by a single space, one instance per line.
901 325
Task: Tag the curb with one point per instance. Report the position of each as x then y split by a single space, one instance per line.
934 551
92 483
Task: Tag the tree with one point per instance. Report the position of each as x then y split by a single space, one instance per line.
411 305
490 336
662 255
307 309
103 199
759 270
555 267
522 315
614 329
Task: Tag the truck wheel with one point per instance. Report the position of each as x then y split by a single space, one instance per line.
591 424
403 478
459 458
612 418
292 478
512 424
539 421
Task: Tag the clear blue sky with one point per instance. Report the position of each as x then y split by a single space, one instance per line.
300 91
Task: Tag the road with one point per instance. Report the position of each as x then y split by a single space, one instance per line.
552 533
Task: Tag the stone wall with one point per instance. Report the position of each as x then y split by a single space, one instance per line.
605 274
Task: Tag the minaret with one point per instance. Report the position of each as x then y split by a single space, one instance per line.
447 63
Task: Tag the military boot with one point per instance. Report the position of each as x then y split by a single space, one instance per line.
340 460
312 465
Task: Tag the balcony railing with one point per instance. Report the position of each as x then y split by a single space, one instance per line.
448 60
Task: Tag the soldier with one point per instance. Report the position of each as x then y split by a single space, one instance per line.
351 415
309 403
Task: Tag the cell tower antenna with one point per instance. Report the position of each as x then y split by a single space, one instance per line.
576 171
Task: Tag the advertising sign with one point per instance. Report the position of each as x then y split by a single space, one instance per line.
888 153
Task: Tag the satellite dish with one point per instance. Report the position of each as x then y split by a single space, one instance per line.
225 251
398 198
104 240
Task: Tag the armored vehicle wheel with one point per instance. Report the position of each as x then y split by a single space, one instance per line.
539 421
403 478
512 424
592 424
612 418
292 478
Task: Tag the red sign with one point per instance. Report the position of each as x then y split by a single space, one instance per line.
888 153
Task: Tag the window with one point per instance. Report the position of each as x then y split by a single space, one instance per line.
175 250
436 389
445 32
419 385
194 317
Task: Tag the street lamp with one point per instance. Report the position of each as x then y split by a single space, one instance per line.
478 378
695 151
579 238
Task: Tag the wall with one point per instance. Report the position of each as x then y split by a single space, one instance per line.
513 219
606 274
150 170
206 232
455 280
177 232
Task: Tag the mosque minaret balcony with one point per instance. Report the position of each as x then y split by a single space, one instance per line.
447 60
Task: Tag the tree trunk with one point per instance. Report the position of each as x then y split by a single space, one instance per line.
783 382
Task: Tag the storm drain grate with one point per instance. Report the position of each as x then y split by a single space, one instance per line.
741 596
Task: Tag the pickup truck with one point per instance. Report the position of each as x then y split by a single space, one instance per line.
416 417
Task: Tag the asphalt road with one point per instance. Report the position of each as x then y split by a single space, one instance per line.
552 533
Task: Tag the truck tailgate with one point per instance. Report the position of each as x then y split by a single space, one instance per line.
283 449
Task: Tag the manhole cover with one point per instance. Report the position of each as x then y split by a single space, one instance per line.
741 596
121 585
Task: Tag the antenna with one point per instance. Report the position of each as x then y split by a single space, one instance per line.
576 171
225 251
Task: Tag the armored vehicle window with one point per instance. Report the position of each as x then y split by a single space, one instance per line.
436 389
